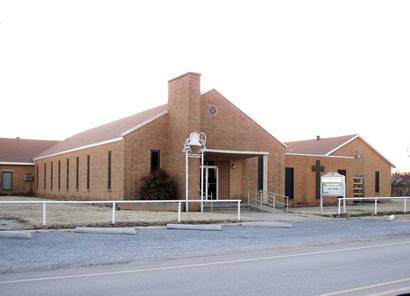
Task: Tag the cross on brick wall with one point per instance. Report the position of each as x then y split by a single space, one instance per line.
317 168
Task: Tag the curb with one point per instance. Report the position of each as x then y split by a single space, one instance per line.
268 224
206 227
106 230
15 234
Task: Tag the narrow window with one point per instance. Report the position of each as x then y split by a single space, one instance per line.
7 180
77 173
68 174
260 173
45 175
109 170
289 182
37 177
88 172
51 175
155 160
59 175
377 182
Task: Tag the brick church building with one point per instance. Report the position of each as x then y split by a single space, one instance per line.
108 162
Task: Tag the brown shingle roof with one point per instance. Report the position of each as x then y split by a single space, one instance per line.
105 132
22 150
317 147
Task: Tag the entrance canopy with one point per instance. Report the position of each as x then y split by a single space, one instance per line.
232 154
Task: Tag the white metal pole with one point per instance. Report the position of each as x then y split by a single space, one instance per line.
179 212
375 206
344 198
321 204
287 204
321 199
186 181
274 201
202 181
248 197
239 211
405 205
338 206
113 213
44 213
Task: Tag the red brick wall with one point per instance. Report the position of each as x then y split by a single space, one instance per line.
98 174
20 186
231 129
137 154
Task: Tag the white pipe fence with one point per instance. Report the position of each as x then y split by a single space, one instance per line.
115 202
375 199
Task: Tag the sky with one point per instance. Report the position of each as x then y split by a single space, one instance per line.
299 68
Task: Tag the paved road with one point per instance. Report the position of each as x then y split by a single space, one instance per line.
364 268
54 250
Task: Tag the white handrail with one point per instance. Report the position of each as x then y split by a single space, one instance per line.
375 199
114 202
269 198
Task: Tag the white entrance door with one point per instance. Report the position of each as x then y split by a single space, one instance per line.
211 182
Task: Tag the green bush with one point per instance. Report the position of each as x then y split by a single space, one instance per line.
158 186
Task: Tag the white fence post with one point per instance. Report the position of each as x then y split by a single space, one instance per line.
248 197
44 213
405 206
274 201
375 206
338 206
287 204
179 212
321 205
239 211
113 213
344 205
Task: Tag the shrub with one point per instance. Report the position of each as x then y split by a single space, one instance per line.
158 186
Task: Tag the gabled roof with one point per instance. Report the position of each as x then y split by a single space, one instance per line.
21 151
107 133
324 146
237 108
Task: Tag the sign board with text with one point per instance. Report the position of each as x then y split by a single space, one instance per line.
332 184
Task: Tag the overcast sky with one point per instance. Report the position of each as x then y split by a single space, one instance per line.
299 68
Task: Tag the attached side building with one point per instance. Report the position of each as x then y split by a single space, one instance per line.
367 172
17 164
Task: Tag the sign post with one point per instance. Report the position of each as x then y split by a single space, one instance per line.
332 184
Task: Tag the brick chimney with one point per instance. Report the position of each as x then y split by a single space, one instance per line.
184 117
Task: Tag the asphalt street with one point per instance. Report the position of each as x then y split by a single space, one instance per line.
360 268
59 249
347 257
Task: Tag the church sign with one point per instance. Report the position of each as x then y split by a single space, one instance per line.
332 184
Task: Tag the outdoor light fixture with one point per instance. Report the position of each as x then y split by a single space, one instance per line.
233 166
